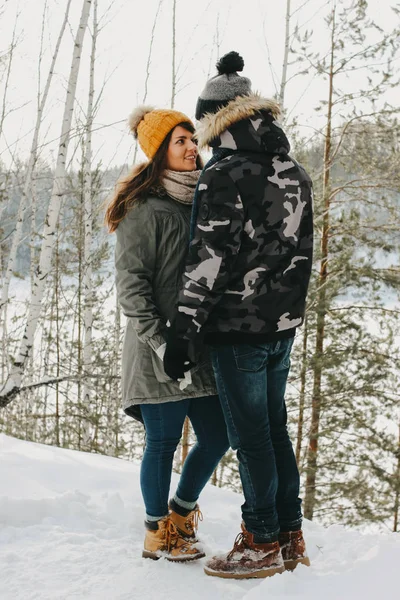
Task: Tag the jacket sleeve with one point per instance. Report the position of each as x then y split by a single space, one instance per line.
135 261
212 253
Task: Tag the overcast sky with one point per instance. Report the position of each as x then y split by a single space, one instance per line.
255 28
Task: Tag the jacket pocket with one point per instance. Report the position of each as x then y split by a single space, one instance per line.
158 369
287 347
155 342
250 358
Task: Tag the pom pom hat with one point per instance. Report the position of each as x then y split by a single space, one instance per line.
151 126
224 87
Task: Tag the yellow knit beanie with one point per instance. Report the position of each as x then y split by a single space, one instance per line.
151 126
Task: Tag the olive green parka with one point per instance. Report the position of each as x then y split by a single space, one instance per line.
152 243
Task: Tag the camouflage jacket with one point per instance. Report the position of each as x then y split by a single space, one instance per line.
249 263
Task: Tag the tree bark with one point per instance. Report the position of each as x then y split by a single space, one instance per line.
58 349
312 455
88 227
397 488
285 57
146 83
8 72
303 374
173 90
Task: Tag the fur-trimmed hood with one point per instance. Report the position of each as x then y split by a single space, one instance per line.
239 109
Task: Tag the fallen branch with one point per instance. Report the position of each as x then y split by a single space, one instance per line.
11 390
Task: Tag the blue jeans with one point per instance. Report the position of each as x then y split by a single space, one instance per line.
251 382
164 424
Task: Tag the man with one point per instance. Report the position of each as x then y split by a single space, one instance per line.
244 292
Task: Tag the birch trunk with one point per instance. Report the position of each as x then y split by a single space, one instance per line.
7 78
88 225
58 353
312 455
285 57
14 383
31 164
397 487
115 389
83 416
146 82
34 205
303 374
173 91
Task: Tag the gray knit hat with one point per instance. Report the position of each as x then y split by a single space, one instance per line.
224 87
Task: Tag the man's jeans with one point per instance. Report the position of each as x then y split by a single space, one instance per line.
164 424
251 382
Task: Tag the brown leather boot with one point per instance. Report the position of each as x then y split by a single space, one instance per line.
186 521
293 549
247 559
163 540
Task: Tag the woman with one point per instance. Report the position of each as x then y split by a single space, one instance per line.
150 213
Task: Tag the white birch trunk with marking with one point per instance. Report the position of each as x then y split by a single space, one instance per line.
88 221
49 234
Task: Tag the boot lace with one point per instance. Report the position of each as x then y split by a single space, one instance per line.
192 522
239 545
173 537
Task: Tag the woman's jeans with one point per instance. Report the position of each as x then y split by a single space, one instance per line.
164 424
251 382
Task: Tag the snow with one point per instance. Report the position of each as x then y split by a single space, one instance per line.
71 527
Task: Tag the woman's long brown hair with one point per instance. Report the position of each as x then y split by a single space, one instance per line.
139 182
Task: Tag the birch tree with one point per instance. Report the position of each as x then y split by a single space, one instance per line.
6 59
173 79
285 57
10 58
88 219
29 172
397 487
148 65
13 384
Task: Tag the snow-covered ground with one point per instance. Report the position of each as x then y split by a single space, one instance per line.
71 527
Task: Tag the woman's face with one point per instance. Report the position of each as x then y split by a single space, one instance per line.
182 151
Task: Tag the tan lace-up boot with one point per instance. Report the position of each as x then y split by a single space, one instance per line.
188 524
163 540
247 559
293 549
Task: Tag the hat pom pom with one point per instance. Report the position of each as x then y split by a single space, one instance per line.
136 117
230 63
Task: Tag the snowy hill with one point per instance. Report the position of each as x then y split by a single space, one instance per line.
71 528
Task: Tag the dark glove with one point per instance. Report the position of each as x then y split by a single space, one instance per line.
176 358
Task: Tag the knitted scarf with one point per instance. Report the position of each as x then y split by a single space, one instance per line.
180 185
218 154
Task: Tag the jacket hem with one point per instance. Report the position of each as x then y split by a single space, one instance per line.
219 338
177 398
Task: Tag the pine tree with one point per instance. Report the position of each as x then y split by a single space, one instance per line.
356 191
